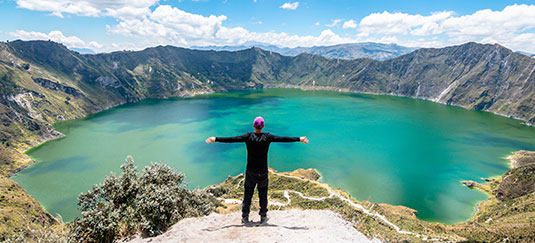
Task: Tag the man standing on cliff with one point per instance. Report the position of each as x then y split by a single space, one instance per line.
256 173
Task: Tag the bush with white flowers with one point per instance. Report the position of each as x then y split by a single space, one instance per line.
147 202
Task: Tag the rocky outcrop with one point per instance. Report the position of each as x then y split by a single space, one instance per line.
57 86
106 81
522 158
470 184
283 226
517 182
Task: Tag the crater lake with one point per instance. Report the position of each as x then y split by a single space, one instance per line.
394 150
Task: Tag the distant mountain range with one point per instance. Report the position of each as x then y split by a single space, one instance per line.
526 53
83 50
42 82
371 50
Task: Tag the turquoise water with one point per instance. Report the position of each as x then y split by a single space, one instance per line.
380 148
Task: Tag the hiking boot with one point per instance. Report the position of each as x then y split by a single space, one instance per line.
263 219
245 220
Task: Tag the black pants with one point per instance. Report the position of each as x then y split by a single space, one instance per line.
260 181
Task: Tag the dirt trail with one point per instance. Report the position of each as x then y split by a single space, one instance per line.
350 202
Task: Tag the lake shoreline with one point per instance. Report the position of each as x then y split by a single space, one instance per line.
192 94
396 223
346 90
200 93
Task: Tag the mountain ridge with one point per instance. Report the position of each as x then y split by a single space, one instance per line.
40 78
377 51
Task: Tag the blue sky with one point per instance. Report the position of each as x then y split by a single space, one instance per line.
106 25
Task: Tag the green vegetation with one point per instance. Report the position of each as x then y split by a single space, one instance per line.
21 216
510 211
145 202
148 202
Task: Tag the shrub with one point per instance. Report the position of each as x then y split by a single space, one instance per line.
38 235
148 202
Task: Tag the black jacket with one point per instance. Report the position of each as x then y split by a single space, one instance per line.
257 148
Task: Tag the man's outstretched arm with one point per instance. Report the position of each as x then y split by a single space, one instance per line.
236 139
289 139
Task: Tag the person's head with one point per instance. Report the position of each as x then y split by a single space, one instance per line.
258 123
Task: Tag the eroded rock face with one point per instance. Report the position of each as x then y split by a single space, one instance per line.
48 84
106 81
517 182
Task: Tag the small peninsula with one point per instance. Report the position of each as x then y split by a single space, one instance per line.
298 193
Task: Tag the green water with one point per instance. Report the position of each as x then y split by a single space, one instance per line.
385 149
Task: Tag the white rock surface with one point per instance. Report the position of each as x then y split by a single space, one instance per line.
283 226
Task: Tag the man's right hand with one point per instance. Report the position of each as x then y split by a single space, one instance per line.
303 139
210 140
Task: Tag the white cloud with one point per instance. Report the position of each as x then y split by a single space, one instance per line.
185 23
349 24
167 25
170 25
512 27
92 8
402 24
326 37
57 36
290 6
514 18
334 23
